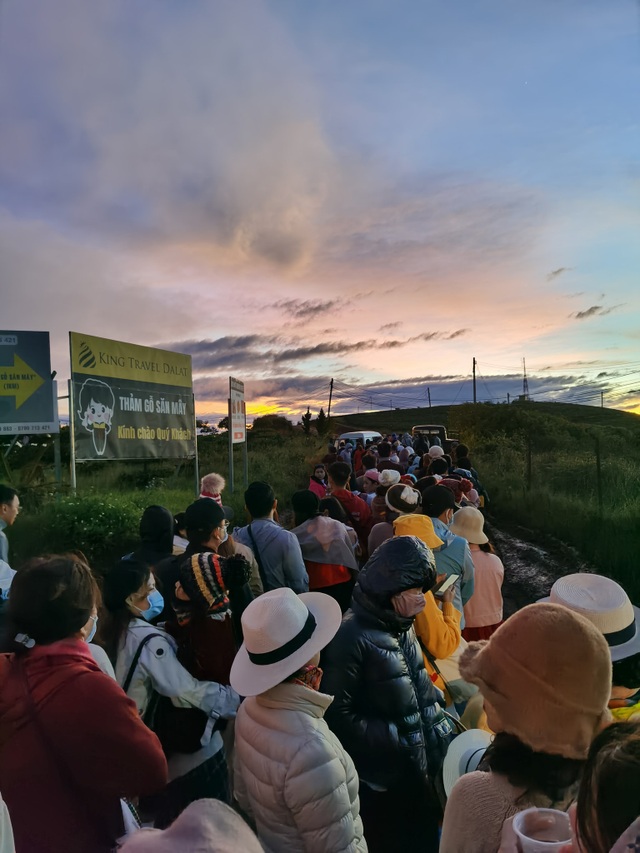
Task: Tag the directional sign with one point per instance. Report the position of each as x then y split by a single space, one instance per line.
19 381
26 389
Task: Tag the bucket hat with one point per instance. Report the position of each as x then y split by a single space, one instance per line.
546 675
605 604
468 522
435 452
282 632
463 756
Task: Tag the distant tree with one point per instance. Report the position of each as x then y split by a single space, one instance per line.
224 423
322 423
206 428
272 422
306 422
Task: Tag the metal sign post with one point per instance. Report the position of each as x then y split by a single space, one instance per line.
237 425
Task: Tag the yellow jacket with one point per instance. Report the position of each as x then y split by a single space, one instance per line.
439 632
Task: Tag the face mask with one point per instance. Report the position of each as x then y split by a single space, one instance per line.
408 603
226 536
156 606
92 632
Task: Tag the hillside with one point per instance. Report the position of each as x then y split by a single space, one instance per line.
399 420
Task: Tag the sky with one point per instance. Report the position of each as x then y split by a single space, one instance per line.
376 191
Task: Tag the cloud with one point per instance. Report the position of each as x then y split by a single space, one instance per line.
594 310
555 273
389 327
303 309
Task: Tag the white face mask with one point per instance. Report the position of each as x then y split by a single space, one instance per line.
92 632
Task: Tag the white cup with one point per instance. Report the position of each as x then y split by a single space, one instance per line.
542 836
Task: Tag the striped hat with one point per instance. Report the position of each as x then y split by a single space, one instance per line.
202 580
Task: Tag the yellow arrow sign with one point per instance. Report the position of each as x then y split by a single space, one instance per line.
19 381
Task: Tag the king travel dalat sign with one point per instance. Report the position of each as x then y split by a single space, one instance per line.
26 388
130 401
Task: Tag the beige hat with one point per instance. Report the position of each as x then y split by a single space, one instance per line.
604 603
282 632
468 523
435 452
205 825
546 673
389 477
464 754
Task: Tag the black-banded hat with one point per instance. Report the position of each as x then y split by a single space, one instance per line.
282 632
604 603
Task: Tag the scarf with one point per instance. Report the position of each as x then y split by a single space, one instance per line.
309 676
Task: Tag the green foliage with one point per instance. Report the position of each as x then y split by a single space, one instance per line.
223 423
273 422
306 422
322 423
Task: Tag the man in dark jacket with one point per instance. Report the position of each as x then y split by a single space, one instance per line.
386 710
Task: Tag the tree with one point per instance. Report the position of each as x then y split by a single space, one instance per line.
322 423
224 423
306 422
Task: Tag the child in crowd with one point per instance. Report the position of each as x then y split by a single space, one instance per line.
212 486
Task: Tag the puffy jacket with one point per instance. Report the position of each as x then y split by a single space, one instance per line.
439 631
293 776
386 710
62 777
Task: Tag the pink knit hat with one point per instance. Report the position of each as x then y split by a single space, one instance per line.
546 673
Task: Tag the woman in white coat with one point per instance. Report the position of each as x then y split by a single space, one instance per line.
292 775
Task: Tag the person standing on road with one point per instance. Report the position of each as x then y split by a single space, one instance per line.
9 509
454 555
276 550
357 510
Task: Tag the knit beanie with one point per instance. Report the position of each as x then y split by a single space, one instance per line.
202 580
546 672
388 477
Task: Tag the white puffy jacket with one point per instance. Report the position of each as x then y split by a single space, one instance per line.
293 776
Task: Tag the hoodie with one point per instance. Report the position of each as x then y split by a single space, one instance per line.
71 745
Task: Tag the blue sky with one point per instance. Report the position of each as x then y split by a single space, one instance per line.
290 191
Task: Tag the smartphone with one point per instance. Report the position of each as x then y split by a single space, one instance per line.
440 588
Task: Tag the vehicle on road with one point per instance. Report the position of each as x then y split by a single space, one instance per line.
364 436
431 431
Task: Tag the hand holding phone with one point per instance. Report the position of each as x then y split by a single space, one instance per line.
445 589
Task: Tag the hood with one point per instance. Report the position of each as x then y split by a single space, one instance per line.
398 564
443 532
48 669
156 528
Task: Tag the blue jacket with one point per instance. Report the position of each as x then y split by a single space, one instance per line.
454 557
279 552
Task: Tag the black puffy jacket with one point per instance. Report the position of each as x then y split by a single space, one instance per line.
386 709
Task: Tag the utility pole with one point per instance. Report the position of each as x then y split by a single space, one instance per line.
508 398
330 396
602 399
474 381
429 396
525 381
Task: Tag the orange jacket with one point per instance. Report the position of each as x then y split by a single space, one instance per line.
439 632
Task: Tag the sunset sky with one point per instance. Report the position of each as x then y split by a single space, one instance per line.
293 190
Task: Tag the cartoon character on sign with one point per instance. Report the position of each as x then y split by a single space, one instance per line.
96 405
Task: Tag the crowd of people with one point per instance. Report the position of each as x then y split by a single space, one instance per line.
347 684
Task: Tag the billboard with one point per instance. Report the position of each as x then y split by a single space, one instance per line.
130 401
27 404
237 416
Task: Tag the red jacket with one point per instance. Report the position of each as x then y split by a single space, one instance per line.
358 514
62 780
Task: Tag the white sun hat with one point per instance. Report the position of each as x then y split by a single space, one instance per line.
606 605
435 452
282 632
463 756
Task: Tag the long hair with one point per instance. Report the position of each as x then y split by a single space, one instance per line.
609 796
125 578
535 771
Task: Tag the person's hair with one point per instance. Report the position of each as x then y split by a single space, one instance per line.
333 508
609 795
626 672
368 461
178 523
339 473
461 450
305 505
213 483
424 483
463 462
534 771
438 466
125 578
259 499
7 494
384 449
51 599
487 547
99 392
320 465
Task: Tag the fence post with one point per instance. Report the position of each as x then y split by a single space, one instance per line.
599 476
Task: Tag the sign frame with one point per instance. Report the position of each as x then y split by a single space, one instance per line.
237 427
25 376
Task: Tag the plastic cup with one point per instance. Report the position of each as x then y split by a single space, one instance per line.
541 830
